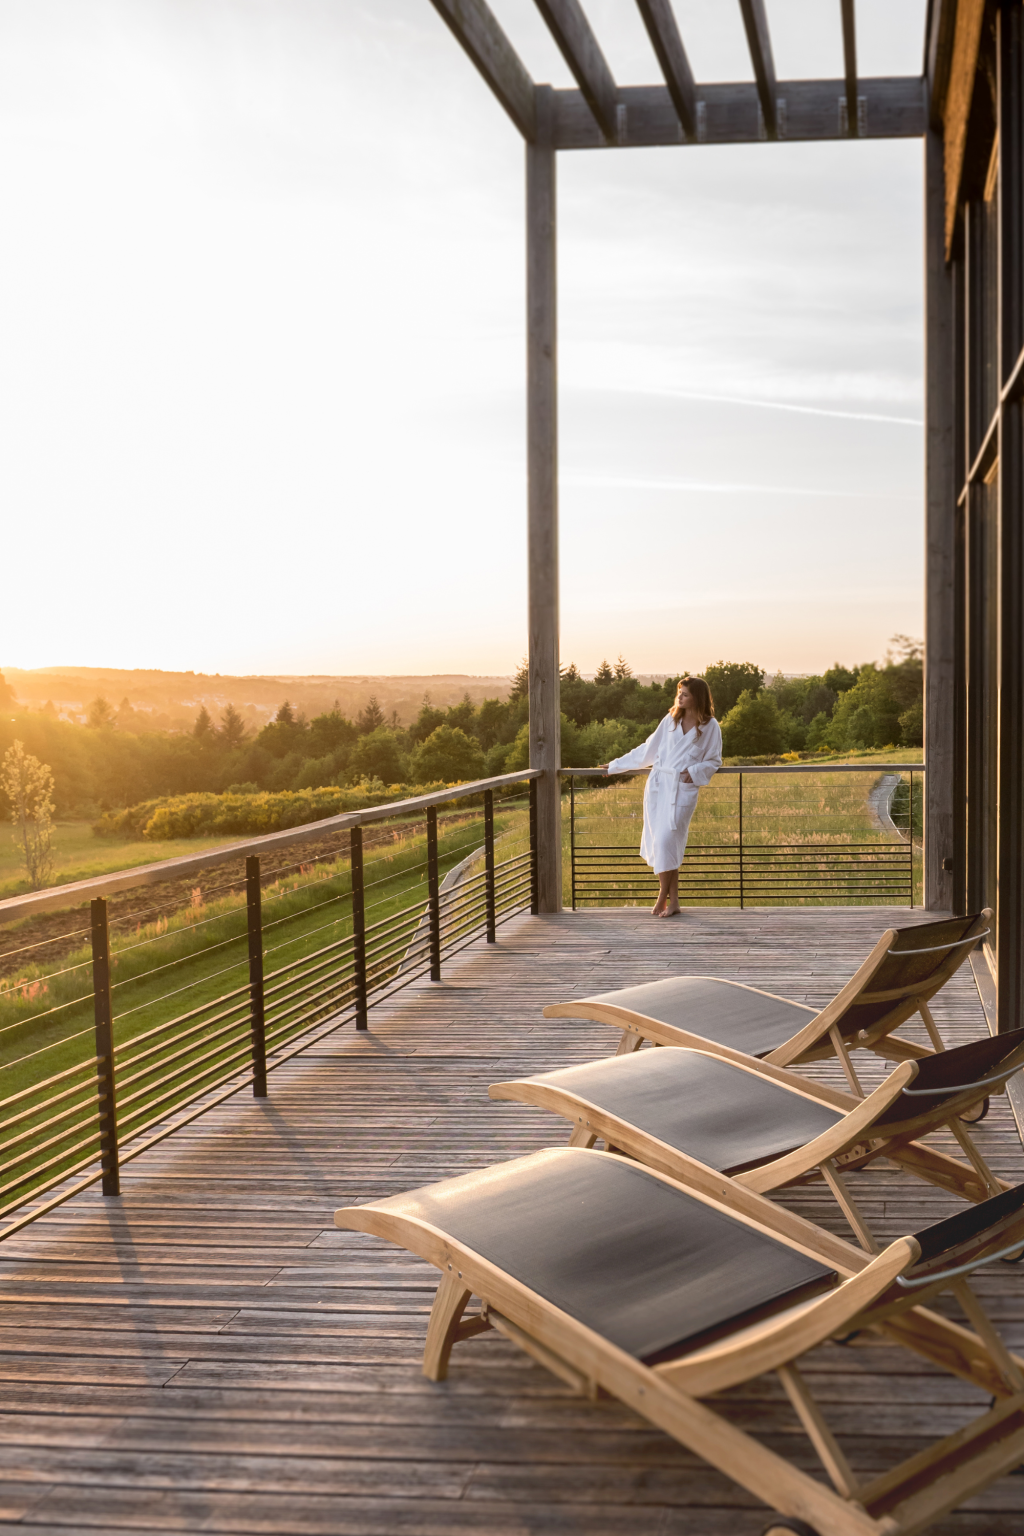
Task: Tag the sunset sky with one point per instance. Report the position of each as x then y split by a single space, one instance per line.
262 350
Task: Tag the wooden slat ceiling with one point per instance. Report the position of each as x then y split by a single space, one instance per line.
602 114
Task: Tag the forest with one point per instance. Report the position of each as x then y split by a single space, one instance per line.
101 768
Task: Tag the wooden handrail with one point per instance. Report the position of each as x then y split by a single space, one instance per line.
190 863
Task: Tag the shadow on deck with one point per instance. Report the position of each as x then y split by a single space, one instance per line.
208 1352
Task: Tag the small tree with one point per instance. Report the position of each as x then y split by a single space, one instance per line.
28 785
371 718
6 693
203 728
101 715
232 727
521 681
622 668
571 673
604 674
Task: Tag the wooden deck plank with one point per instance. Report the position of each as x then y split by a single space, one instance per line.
209 1353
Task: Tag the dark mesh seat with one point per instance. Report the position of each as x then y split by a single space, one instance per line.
723 1011
943 1076
711 1110
650 1268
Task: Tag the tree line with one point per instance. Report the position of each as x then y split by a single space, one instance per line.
102 766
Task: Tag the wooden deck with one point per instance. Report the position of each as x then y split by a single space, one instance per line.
208 1353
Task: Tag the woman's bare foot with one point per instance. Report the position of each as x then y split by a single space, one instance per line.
658 910
670 912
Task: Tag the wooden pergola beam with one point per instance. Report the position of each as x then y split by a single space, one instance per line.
963 70
759 42
894 108
660 21
582 52
850 65
476 28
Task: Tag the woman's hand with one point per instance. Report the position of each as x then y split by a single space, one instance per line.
685 776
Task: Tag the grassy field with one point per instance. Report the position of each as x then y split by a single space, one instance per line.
80 855
792 810
167 969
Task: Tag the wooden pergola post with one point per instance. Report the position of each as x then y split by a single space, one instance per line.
1010 770
542 496
941 878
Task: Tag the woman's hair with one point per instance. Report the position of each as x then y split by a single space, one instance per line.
700 693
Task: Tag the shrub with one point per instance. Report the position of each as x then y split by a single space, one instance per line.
245 815
754 725
448 754
377 755
912 726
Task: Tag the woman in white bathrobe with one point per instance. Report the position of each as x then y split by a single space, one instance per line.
682 753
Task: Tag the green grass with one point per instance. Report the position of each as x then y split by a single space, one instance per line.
164 970
827 809
79 855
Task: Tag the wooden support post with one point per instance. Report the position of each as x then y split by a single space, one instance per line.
254 913
542 456
940 546
1010 836
104 1016
358 924
492 917
433 895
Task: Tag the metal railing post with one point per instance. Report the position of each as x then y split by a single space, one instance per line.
741 843
358 924
534 863
433 895
910 837
257 1020
103 1010
492 916
572 836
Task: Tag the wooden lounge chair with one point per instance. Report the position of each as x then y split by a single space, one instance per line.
618 1279
899 977
766 1127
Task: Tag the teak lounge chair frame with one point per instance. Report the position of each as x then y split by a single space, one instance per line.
886 1294
898 979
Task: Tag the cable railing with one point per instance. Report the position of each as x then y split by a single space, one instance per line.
802 834
210 997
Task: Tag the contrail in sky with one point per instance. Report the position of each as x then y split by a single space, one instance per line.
634 483
780 405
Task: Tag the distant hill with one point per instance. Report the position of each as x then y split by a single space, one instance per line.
171 700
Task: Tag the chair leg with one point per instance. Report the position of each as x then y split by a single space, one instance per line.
582 1137
931 1026
443 1327
839 1046
848 1205
629 1042
978 1163
821 1437
984 1327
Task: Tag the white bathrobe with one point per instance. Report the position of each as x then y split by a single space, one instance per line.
669 803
